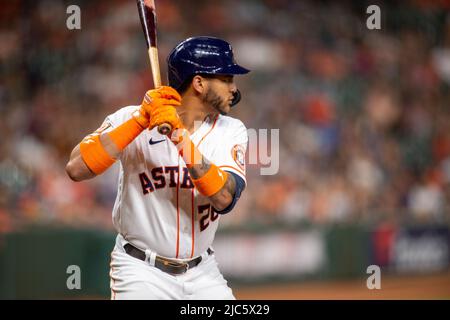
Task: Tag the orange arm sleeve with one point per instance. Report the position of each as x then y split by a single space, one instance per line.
95 155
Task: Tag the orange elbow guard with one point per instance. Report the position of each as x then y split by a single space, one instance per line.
94 155
211 182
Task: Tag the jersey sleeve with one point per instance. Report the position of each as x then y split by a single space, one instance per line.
230 153
120 116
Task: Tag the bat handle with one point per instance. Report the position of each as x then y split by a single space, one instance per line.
164 129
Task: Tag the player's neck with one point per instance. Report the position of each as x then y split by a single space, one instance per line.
193 113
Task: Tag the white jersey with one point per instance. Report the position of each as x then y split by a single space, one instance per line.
157 206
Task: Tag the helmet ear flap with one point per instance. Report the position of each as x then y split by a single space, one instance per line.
236 98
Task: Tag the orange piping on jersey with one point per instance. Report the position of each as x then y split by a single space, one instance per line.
238 170
178 210
214 124
192 220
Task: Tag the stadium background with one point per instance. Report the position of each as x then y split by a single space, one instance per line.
364 115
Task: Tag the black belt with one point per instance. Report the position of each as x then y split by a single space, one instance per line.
164 264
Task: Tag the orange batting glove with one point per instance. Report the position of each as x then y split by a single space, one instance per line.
159 98
165 114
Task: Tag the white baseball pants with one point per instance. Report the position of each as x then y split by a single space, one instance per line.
134 279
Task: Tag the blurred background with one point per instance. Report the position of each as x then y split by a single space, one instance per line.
364 119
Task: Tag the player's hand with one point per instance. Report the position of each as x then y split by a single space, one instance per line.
159 98
165 114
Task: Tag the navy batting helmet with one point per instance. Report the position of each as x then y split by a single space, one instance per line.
202 55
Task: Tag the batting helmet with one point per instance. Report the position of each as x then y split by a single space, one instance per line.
202 55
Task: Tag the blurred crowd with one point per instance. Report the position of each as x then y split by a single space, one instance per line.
363 114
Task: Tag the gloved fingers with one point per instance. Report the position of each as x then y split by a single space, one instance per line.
168 112
156 102
164 109
161 118
173 124
169 102
163 92
169 92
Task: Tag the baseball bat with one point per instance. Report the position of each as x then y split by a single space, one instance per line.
147 15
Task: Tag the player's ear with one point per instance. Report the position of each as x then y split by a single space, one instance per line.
199 84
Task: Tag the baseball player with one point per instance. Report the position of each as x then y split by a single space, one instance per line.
172 189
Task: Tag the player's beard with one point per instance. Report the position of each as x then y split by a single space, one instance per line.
212 99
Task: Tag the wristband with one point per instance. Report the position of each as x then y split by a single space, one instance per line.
94 155
211 182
